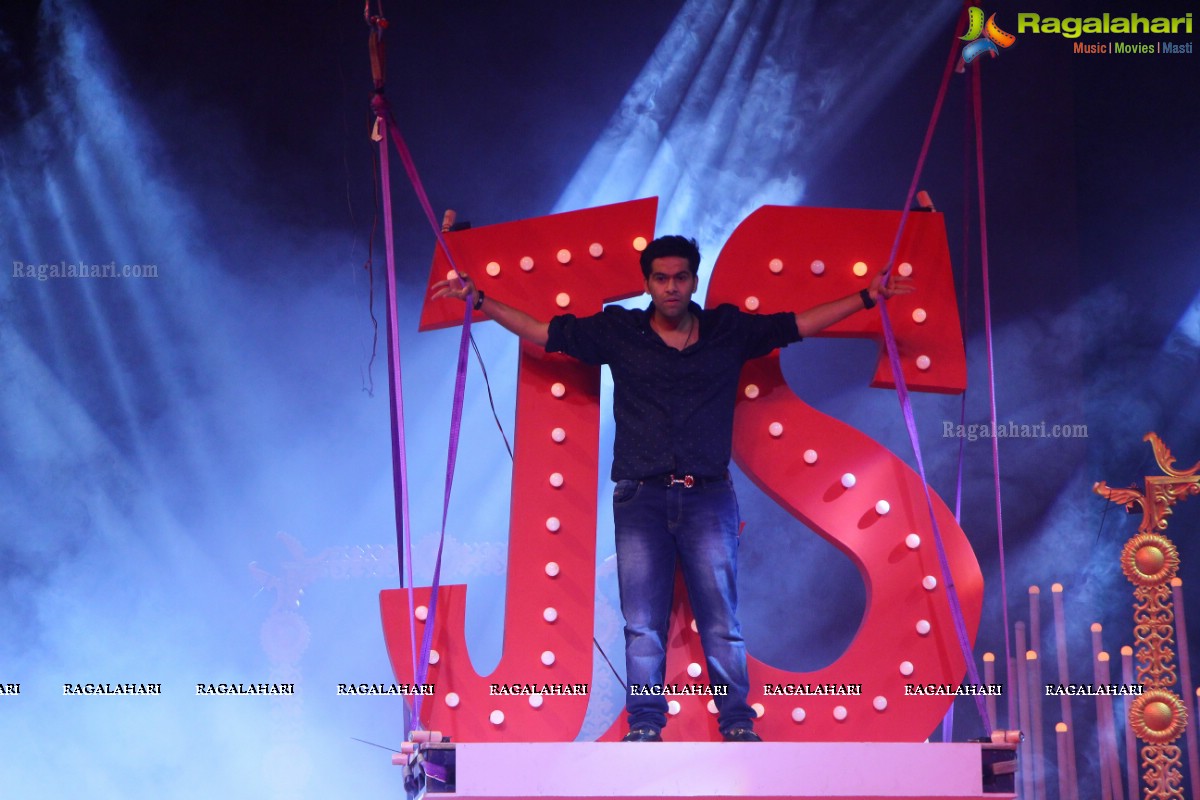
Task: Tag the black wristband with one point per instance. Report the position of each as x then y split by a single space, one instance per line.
479 295
865 294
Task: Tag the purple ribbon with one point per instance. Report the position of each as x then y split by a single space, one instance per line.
889 338
991 360
421 665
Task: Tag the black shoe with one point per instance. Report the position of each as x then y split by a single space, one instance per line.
642 735
741 735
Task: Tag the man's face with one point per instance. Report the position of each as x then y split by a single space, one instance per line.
671 285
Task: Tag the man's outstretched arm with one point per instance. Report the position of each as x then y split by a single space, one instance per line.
818 318
512 319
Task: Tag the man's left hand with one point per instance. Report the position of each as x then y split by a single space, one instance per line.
894 285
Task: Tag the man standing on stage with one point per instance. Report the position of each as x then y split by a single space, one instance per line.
675 369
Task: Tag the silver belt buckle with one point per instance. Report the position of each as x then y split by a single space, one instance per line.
688 481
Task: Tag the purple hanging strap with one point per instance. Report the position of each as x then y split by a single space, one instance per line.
977 95
889 337
389 128
399 460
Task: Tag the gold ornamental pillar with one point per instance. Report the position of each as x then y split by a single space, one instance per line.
1150 560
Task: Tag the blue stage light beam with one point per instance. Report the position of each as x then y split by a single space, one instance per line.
739 101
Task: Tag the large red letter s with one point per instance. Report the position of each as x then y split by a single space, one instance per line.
781 259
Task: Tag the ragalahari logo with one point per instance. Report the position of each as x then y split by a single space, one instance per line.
993 37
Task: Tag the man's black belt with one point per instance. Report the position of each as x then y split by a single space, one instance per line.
669 479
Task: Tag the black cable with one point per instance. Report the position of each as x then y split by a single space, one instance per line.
491 401
380 746
488 385
369 266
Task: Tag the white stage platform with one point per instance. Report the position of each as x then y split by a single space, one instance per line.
776 770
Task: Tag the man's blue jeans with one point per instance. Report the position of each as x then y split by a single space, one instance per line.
655 523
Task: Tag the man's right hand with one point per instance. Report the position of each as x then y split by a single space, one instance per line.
462 288
515 320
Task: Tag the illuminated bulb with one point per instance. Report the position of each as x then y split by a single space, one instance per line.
810 456
848 480
695 627
751 390
929 582
526 263
421 613
776 265
496 717
558 389
860 268
880 702
776 429
798 714
759 709
452 699
562 299
564 256
840 713
547 658
694 670
552 569
751 303
882 507
556 479
595 249
535 700
558 435
673 707
434 656
818 267
906 668
639 243
553 524
923 362
712 706
550 614
919 315
912 541
904 269
923 627
493 268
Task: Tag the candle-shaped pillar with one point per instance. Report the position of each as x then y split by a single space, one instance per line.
989 678
1064 677
1185 684
1025 765
1036 694
1131 746
1109 760
1064 779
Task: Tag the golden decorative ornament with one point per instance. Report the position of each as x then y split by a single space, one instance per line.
1149 559
1158 716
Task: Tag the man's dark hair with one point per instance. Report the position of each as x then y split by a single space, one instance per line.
671 246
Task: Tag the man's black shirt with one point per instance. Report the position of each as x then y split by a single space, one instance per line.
673 409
